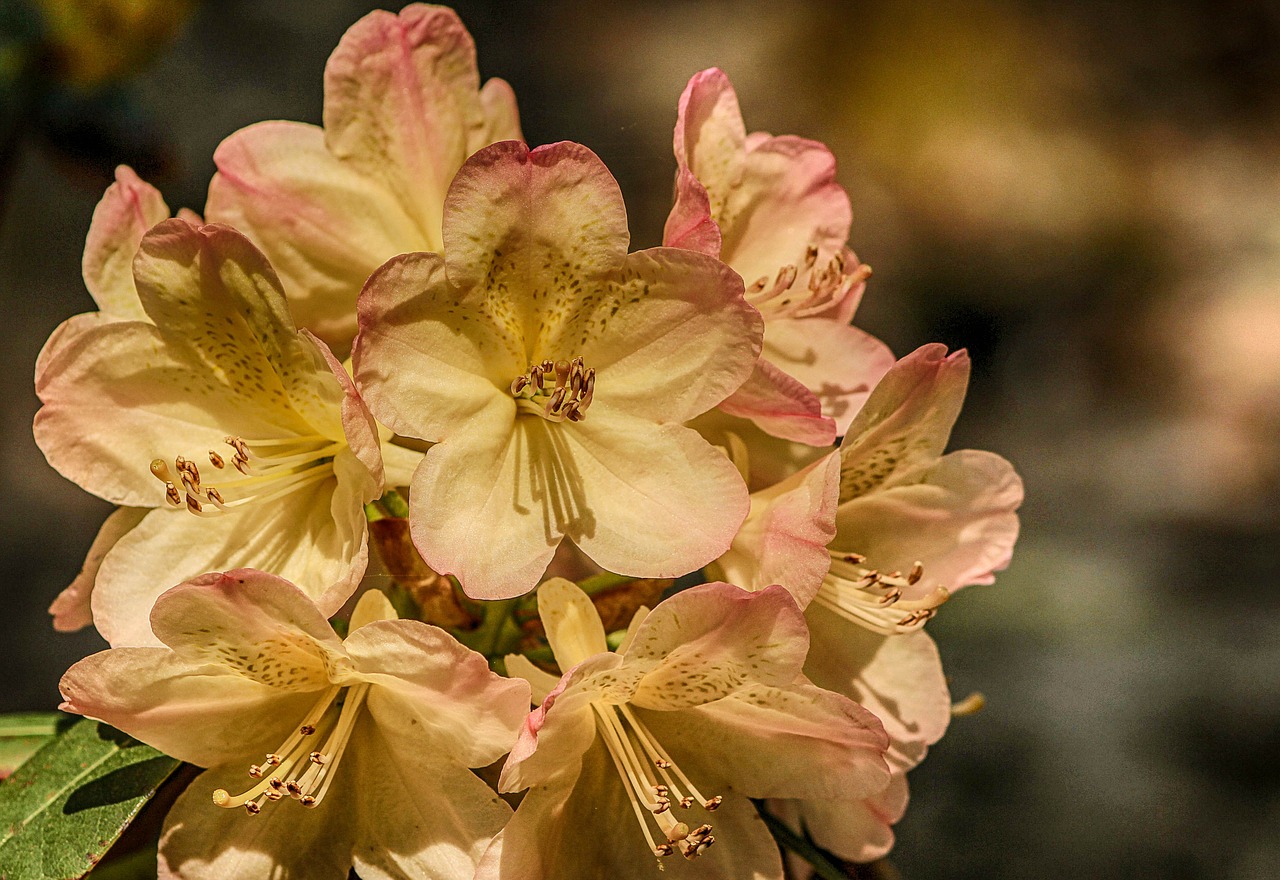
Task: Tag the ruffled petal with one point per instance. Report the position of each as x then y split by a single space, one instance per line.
840 364
905 423
434 691
324 225
711 640
689 225
780 405
72 609
959 520
784 539
645 499
129 207
206 715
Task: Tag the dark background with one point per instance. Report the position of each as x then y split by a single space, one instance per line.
1087 196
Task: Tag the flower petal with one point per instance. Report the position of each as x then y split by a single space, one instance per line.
656 499
906 421
324 226
959 520
781 406
431 689
689 225
502 117
709 135
71 610
203 842
711 640
857 831
784 539
358 425
204 715
572 623
129 207
838 363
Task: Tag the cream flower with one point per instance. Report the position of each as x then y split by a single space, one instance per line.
322 754
652 751
403 109
242 436
771 209
553 371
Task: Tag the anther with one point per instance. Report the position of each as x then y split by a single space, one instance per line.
172 495
711 805
307 729
252 808
917 572
255 772
316 758
216 460
810 256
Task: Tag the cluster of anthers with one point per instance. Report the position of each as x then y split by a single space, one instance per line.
826 286
654 783
875 599
569 396
295 769
269 470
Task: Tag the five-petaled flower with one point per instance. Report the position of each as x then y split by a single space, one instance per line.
230 437
652 750
321 752
554 372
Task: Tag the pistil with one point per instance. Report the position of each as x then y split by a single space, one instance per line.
555 390
874 599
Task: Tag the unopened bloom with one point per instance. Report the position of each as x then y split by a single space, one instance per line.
554 372
241 437
770 207
322 753
653 750
403 107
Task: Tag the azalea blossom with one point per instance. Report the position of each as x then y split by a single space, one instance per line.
644 757
322 754
403 108
554 373
229 436
770 207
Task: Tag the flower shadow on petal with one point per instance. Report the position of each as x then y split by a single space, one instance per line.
555 482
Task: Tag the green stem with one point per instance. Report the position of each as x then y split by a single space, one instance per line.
801 846
603 582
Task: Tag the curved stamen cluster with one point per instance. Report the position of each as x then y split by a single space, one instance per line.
874 600
297 769
653 783
823 288
555 390
269 469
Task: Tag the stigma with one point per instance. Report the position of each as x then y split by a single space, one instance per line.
655 785
557 391
805 289
304 766
875 600
249 471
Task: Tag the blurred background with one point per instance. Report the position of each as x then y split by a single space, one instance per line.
1086 196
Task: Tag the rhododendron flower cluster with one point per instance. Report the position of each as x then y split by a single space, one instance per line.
681 523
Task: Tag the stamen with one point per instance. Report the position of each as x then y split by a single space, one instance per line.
566 400
825 286
874 599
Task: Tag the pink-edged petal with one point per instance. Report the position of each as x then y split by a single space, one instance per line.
324 225
418 812
669 339
857 831
172 545
72 609
711 640
129 207
781 406
541 682
572 623
357 422
784 539
768 460
204 715
709 135
433 691
794 741
838 363
201 841
906 421
402 104
959 520
255 624
502 116
689 225
424 362
519 220
644 499
898 678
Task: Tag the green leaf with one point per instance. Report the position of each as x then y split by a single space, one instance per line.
66 806
22 733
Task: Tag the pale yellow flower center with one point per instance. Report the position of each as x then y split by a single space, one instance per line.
823 286
306 764
654 784
873 599
555 390
267 471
